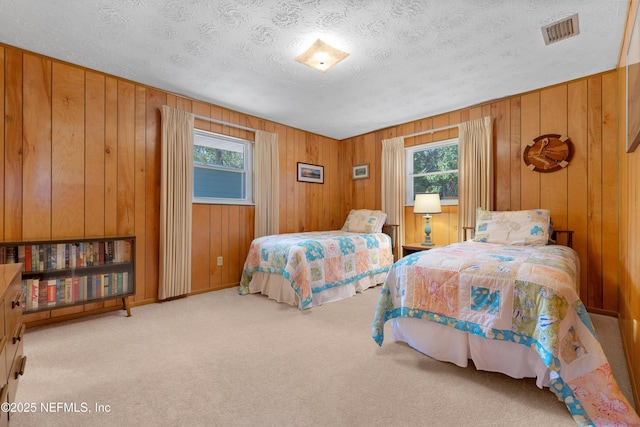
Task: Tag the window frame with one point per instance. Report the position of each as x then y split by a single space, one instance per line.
248 169
409 196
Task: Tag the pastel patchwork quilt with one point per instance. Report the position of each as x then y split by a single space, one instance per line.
315 261
522 294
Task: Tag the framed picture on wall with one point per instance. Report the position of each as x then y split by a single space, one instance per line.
633 85
310 173
360 171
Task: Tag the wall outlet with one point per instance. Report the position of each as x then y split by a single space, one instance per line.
219 261
635 330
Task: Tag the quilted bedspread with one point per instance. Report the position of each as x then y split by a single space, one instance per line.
522 294
315 261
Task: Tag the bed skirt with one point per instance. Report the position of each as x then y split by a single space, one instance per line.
278 288
448 344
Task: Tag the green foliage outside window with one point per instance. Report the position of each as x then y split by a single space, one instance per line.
435 170
215 156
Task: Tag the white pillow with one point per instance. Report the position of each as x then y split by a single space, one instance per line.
365 221
525 228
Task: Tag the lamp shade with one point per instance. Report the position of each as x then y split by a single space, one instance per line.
427 203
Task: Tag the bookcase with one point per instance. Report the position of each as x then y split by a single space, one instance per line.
65 273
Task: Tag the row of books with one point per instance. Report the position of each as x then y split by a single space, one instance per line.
46 293
59 256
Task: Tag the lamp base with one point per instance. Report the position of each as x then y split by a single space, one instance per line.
427 232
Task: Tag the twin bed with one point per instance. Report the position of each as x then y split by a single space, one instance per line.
314 268
507 300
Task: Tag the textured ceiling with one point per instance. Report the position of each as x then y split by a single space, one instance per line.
409 59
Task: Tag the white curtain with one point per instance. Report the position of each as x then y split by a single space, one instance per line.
176 192
267 186
475 171
393 179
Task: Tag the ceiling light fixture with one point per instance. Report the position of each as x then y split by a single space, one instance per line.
321 56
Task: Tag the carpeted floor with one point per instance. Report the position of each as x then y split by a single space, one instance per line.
220 359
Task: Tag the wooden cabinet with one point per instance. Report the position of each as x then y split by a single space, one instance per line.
64 273
12 358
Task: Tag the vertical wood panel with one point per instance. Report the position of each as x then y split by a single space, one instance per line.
358 186
453 224
111 159
37 153
290 172
244 238
577 175
200 247
140 183
67 151
553 186
530 180
516 154
13 146
330 205
224 240
502 171
346 162
301 187
126 159
610 224
94 155
371 191
313 191
281 131
232 261
594 183
215 272
377 167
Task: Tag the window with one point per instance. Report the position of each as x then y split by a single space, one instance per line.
433 168
221 169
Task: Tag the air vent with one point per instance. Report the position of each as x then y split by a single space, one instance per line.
560 30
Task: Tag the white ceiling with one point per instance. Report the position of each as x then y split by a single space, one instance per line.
409 59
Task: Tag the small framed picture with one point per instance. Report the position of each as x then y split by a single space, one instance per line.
310 173
360 171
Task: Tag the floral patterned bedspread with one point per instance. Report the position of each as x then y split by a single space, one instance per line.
522 294
315 261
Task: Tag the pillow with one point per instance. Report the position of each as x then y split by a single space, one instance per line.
365 221
524 228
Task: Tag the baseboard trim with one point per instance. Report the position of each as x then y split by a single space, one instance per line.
602 312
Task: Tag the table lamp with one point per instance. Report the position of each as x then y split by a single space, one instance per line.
427 203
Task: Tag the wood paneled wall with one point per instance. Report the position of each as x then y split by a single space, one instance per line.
80 157
629 227
581 197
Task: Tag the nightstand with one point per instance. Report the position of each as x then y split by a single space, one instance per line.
410 248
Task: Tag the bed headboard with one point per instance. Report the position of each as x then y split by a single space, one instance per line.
392 231
568 237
